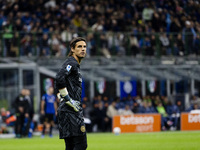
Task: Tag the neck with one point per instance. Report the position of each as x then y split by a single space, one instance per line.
78 59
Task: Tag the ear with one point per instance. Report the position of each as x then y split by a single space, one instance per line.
72 50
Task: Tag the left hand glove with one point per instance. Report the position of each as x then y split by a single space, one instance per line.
72 103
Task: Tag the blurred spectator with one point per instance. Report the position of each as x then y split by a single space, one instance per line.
134 45
86 107
44 45
175 25
106 102
87 110
100 118
3 114
138 100
104 46
195 108
180 105
54 42
15 44
29 121
3 117
50 4
95 102
197 45
7 36
189 35
6 119
156 22
21 109
26 18
164 121
129 101
120 103
148 47
90 45
117 41
153 44
112 111
147 12
98 26
150 108
18 25
135 107
142 107
180 45
77 22
125 111
147 107
194 103
173 114
26 46
165 43
194 99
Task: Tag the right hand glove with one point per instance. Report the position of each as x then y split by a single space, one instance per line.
72 103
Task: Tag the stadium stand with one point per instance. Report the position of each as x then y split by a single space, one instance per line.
126 40
113 27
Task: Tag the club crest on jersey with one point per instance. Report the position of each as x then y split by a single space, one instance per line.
68 67
83 128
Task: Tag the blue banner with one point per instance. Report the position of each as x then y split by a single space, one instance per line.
163 89
128 88
83 90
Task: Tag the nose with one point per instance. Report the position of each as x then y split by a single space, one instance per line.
84 49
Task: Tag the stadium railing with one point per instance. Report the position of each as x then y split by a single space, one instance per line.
17 44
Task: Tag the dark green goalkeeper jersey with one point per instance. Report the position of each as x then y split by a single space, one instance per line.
70 123
69 76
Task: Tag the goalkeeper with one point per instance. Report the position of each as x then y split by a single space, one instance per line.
69 84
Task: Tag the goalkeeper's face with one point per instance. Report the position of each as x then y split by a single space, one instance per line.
80 49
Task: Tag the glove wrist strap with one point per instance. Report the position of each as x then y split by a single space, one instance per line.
67 98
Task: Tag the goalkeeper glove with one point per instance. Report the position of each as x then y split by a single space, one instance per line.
72 103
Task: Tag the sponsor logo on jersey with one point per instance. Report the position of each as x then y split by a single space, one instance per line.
68 68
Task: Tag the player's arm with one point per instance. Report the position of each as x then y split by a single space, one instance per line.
69 101
42 107
26 108
61 85
55 107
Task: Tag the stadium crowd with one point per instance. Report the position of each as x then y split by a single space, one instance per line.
101 110
113 27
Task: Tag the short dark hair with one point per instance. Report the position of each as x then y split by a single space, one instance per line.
73 42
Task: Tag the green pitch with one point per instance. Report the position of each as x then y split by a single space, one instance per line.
108 141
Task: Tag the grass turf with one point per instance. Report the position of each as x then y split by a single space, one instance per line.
107 141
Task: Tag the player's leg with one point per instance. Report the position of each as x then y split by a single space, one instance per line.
46 118
80 142
69 144
43 129
51 127
22 118
17 126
